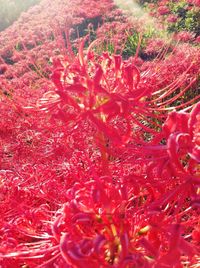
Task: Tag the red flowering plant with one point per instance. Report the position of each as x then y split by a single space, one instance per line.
100 173
183 139
127 198
95 89
122 196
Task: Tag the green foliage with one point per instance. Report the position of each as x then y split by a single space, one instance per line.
105 46
188 19
19 47
188 15
192 21
178 8
133 41
144 2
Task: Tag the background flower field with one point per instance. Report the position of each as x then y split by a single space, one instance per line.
100 135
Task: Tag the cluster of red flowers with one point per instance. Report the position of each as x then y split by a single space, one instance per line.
100 158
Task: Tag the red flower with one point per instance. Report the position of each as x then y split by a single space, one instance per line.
183 139
163 10
97 90
172 18
3 68
184 36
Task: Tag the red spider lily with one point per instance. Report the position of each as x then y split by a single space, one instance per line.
105 89
104 175
163 10
182 141
96 89
184 36
99 92
172 18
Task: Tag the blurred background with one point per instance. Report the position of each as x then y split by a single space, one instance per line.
11 9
